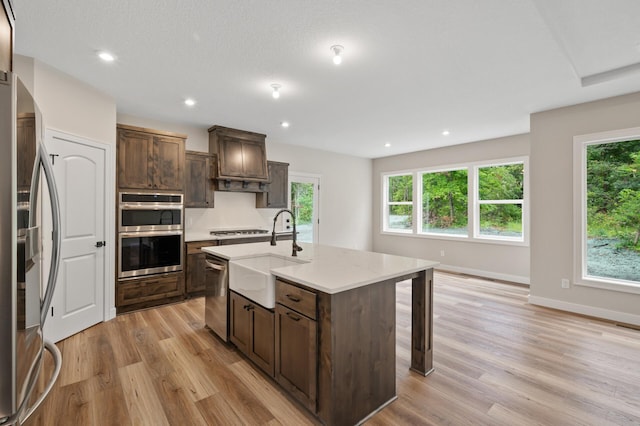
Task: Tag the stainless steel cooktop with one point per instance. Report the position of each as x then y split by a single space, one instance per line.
238 232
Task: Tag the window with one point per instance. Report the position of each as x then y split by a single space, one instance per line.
444 202
399 203
608 214
476 201
500 197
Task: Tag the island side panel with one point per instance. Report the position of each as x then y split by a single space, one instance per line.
357 359
422 322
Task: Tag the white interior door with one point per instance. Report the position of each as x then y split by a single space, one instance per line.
303 202
79 170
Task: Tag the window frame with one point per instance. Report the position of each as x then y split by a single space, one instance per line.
477 202
418 176
580 144
473 207
386 203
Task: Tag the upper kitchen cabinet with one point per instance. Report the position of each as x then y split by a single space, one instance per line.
276 196
199 184
6 37
150 159
242 158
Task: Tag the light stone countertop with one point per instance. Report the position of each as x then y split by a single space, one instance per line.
328 269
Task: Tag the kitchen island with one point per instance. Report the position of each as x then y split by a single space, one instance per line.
334 325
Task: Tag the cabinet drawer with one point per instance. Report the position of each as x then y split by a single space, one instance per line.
296 298
149 289
194 247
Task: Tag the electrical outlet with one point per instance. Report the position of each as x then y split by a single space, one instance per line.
564 283
442 253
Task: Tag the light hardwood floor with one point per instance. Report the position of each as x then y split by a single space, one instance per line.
498 361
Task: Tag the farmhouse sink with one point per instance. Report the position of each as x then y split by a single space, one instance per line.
252 277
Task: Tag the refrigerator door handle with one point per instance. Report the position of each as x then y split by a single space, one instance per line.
42 160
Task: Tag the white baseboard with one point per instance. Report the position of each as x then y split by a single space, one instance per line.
591 311
486 274
112 314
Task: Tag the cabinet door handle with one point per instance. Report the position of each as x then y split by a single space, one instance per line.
293 316
248 307
293 298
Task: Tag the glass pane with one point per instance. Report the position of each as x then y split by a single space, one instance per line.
302 207
400 188
401 217
444 202
501 182
501 220
613 210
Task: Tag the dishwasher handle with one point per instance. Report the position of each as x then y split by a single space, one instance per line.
215 266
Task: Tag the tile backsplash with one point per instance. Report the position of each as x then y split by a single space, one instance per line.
231 210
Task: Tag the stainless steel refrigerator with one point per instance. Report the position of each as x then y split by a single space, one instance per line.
26 288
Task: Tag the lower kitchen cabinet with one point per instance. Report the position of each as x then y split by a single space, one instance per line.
251 329
195 267
296 343
150 291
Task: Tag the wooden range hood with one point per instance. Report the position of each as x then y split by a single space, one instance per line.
241 163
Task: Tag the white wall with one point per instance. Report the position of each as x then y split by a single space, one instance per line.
71 106
492 260
345 194
552 224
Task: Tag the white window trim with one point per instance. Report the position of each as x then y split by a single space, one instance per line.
580 144
473 208
525 205
441 235
386 203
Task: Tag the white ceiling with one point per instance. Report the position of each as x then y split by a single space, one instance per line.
411 68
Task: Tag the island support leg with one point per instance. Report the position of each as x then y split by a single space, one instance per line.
422 322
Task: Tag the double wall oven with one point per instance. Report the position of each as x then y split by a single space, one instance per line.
150 233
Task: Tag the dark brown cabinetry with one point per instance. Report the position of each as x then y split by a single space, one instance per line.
6 36
241 159
195 267
296 342
150 159
251 329
277 195
199 184
145 292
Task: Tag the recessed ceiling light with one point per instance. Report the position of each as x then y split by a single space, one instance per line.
284 124
189 102
276 90
445 133
106 56
387 145
337 52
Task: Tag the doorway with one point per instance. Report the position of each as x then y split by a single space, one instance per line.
304 203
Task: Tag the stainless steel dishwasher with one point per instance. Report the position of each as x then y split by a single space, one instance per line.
216 315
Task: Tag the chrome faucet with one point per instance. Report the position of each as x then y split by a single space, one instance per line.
296 248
